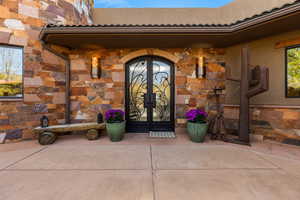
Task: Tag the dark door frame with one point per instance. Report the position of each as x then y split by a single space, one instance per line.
150 125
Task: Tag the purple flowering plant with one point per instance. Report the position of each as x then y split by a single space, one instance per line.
114 115
197 116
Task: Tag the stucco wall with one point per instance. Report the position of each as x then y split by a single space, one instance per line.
44 73
241 9
234 11
264 53
155 15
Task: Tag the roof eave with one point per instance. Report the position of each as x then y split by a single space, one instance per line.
205 29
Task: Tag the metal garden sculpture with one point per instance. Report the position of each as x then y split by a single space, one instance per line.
254 81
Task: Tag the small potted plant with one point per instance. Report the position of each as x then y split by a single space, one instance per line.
115 124
197 124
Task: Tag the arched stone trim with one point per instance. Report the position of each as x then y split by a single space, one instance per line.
150 52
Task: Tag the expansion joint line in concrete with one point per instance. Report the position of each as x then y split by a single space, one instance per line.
24 158
268 161
152 174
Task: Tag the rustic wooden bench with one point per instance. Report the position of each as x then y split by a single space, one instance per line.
48 135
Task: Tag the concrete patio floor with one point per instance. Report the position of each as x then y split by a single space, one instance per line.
140 168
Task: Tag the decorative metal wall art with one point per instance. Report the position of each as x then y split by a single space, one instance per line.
253 81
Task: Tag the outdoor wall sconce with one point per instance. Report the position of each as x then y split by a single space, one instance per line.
96 67
200 67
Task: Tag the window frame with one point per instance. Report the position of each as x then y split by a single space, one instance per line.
15 98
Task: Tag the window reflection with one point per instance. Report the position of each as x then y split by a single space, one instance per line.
293 72
11 71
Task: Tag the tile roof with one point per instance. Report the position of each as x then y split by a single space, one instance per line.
286 5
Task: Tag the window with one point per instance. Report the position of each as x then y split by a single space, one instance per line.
293 72
11 72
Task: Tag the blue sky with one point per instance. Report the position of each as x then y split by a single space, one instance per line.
159 3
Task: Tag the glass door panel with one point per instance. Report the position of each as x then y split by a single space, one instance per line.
138 91
161 91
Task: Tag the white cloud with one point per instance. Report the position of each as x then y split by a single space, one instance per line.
112 3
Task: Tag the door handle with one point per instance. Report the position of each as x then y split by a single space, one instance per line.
145 100
153 96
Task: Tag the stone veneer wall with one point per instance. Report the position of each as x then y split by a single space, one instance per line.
44 73
91 96
280 123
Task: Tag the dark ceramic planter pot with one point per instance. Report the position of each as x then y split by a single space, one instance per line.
115 131
197 132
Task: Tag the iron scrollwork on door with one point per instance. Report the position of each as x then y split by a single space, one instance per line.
137 89
162 91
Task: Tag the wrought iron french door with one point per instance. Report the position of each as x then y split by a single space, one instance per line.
149 95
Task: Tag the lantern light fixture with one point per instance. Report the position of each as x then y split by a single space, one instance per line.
200 67
96 67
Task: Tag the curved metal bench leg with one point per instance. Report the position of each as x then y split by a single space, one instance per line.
47 138
93 134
